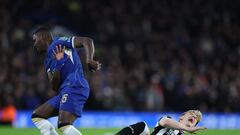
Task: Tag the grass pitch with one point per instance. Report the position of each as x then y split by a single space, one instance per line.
107 131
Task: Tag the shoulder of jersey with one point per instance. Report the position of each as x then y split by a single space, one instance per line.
68 39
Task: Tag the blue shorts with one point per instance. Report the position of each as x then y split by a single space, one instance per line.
70 99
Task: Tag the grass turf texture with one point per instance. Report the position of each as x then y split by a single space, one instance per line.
92 131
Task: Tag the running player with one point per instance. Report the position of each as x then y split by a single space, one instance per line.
65 73
167 126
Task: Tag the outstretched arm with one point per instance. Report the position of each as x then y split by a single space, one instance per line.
167 122
88 45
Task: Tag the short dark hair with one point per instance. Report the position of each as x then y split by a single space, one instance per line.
42 29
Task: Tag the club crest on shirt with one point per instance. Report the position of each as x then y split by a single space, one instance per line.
65 39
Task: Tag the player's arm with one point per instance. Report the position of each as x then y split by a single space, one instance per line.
170 123
54 79
88 45
139 128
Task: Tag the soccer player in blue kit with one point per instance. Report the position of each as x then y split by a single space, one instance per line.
65 73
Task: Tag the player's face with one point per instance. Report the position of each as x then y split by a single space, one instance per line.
188 119
39 42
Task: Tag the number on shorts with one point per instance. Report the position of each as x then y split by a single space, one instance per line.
64 98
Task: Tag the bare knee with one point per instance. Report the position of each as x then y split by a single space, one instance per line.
65 118
35 115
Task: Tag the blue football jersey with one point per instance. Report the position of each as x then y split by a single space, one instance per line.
72 71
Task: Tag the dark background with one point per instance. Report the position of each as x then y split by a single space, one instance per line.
157 55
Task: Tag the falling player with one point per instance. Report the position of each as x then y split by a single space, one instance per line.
167 126
65 73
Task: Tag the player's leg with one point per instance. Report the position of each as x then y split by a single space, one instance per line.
42 113
71 106
139 128
65 122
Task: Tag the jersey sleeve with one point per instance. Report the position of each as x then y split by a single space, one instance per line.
68 42
158 123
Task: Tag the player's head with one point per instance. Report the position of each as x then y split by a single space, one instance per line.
42 37
191 118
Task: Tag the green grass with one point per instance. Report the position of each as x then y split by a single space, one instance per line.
91 131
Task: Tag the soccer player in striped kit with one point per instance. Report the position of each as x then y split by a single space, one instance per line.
167 126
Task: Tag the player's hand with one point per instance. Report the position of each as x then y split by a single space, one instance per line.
195 129
59 52
93 65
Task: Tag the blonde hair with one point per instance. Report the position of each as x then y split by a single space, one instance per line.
196 113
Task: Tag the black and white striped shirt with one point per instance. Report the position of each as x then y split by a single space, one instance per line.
160 130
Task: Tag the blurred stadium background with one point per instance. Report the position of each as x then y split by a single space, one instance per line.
159 57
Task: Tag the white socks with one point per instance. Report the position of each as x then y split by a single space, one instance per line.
70 130
45 127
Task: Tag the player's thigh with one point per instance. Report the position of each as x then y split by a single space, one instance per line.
71 104
49 108
46 111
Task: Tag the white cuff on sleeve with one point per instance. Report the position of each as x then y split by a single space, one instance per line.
73 46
